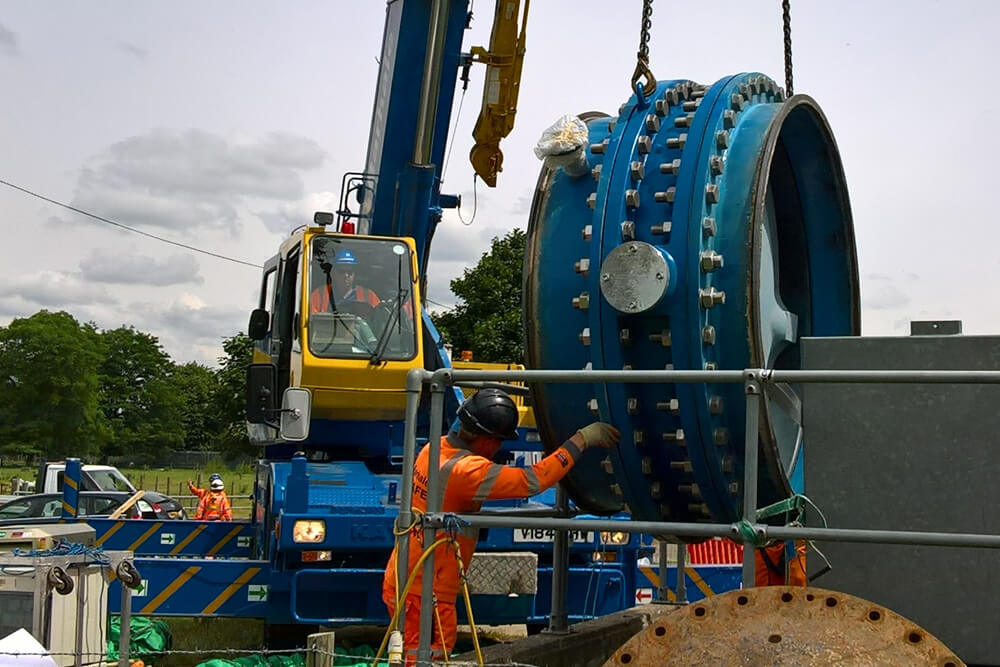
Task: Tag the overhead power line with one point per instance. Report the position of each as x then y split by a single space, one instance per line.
127 228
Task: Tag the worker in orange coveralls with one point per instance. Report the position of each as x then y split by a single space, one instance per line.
774 569
469 477
213 503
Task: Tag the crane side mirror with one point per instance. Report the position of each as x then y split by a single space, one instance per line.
296 411
261 386
260 321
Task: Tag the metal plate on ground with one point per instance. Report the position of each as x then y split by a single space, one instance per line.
503 574
783 625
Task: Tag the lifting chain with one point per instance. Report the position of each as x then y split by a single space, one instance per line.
786 21
642 57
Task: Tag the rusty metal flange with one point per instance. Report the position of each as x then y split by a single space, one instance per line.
781 625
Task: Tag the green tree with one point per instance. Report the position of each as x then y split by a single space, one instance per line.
138 395
487 320
230 396
195 386
49 387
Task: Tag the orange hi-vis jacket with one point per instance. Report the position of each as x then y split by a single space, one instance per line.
212 505
468 480
319 300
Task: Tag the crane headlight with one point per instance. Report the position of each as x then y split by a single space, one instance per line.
616 538
308 531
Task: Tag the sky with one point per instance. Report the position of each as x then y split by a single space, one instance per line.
224 125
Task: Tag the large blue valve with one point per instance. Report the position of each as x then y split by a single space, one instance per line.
713 231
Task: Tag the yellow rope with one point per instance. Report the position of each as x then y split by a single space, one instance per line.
401 595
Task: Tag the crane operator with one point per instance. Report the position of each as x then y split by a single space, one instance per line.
340 285
468 477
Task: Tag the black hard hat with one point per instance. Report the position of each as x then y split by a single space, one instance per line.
490 412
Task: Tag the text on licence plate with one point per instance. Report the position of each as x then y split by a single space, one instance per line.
548 535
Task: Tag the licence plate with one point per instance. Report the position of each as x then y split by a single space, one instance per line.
548 535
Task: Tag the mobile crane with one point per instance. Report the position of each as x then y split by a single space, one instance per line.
331 358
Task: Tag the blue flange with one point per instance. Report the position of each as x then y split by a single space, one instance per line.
714 233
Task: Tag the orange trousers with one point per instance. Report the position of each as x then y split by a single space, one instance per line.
411 630
771 567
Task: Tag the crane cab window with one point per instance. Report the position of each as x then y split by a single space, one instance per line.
361 299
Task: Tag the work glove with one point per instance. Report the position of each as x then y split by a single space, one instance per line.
599 434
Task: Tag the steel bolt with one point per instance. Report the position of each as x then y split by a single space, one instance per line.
637 170
711 194
585 336
611 125
625 337
605 277
592 199
662 337
737 102
639 437
662 228
662 107
708 334
672 406
617 490
715 163
711 366
684 121
644 144
606 464
588 232
655 490
683 466
666 196
628 230
647 465
698 93
779 95
734 489
710 260
598 148
709 297
674 436
677 142
652 124
708 228
715 405
592 406
727 465
721 436
691 105
671 96
583 301
670 167
632 198
728 119
627 367
582 266
722 139
596 171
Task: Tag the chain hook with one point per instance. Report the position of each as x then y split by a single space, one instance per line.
642 70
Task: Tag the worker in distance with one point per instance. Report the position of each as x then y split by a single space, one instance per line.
468 477
213 503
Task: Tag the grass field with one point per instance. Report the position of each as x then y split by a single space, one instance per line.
169 481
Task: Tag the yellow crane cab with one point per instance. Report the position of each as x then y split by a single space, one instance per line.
338 316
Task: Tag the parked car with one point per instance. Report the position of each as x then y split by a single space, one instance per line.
93 503
109 479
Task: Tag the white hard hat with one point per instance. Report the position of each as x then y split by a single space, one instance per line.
217 484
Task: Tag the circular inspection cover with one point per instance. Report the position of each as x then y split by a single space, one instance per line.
634 277
783 625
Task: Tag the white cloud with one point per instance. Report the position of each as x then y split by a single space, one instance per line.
294 214
881 292
133 50
55 290
126 268
188 179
